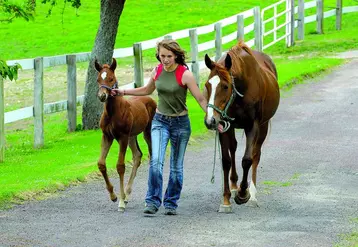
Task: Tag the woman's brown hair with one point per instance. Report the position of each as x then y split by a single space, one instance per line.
174 47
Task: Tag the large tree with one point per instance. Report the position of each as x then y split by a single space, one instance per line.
111 11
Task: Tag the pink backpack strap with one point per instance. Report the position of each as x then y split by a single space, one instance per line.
159 70
179 74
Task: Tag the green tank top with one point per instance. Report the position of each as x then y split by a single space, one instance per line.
171 96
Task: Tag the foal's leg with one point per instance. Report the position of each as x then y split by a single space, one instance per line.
243 194
137 157
148 138
123 143
105 145
225 140
262 133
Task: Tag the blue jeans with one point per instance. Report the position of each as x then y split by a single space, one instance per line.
177 130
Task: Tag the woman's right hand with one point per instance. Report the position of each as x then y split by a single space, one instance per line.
117 92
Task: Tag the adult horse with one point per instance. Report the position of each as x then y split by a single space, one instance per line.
123 120
243 93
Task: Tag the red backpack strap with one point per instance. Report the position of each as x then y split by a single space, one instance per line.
159 70
179 74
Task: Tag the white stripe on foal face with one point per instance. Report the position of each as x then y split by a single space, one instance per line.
104 75
214 81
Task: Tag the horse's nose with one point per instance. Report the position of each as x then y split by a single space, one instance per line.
210 123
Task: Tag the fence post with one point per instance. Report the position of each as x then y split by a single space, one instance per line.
240 27
194 54
292 23
258 29
218 41
319 16
301 19
2 121
168 37
338 14
138 65
71 93
38 103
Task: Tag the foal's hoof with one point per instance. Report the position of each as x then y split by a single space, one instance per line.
225 209
121 209
241 199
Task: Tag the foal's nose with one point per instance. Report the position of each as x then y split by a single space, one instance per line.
102 97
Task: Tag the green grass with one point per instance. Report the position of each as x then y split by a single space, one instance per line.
69 33
349 239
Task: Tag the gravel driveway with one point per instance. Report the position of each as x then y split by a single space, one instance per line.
307 188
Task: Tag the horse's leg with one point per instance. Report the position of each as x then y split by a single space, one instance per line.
233 172
123 143
105 145
137 157
243 194
256 159
225 140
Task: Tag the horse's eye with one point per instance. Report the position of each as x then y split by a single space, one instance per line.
225 87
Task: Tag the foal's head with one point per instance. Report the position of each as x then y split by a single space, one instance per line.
106 79
219 90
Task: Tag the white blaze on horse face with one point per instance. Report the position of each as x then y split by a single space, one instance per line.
214 81
104 75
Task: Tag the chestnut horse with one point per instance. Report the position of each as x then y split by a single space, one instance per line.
242 92
123 120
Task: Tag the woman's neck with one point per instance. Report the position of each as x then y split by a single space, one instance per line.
171 68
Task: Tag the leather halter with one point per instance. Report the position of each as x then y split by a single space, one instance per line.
234 92
115 85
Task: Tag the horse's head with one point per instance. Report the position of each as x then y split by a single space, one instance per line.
218 91
106 79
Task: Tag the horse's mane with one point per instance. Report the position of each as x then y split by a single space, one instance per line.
236 55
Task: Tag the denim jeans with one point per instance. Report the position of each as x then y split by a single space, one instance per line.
177 130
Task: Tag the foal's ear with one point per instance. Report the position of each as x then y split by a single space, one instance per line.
97 66
208 62
113 65
228 62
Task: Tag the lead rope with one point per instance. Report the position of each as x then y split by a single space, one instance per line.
216 145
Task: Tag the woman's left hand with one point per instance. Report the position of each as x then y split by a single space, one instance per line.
220 128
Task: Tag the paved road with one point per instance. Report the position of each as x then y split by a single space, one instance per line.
312 148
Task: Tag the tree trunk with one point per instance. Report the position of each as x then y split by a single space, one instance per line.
111 11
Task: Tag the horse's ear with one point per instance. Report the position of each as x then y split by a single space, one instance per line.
97 66
113 65
208 62
228 62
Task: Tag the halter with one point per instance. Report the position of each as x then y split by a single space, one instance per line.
223 113
115 85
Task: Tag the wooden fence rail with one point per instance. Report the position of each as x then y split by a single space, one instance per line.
38 110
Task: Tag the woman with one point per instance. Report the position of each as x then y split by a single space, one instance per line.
172 79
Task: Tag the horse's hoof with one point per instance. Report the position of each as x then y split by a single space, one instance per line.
252 203
114 199
225 209
121 209
233 193
242 199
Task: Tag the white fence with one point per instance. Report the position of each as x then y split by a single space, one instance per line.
258 27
